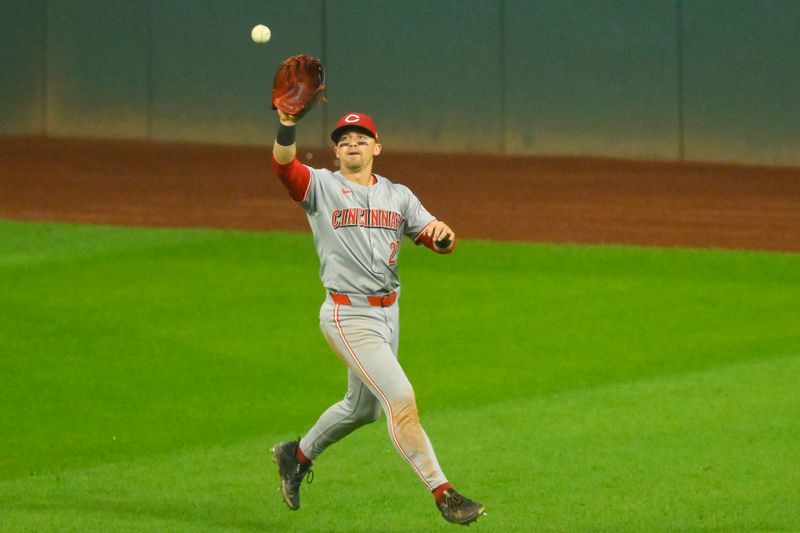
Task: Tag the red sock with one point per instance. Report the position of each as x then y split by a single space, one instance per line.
302 457
437 492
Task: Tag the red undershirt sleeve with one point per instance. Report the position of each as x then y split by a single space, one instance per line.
295 176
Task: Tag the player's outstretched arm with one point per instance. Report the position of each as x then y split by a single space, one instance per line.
284 150
294 175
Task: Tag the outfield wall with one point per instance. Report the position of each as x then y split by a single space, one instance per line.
665 79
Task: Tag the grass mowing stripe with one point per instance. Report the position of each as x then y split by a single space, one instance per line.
27 243
713 450
705 451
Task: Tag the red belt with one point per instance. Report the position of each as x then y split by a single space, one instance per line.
384 300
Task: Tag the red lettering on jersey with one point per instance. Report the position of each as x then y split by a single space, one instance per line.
365 218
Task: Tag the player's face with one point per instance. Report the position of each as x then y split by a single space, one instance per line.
355 150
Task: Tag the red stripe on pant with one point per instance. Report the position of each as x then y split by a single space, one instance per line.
380 392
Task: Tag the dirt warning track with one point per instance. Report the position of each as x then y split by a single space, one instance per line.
489 197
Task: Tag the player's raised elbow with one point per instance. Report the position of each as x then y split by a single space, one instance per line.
295 176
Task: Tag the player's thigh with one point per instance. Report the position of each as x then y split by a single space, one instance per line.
369 354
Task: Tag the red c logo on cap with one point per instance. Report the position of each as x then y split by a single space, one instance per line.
352 118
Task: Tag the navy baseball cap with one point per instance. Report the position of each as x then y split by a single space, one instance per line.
355 121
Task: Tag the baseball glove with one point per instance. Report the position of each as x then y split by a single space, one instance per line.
299 83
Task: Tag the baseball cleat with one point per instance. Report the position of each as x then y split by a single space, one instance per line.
459 509
291 472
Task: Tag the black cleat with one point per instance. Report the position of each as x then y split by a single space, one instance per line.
458 509
291 471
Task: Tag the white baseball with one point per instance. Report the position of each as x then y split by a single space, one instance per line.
260 34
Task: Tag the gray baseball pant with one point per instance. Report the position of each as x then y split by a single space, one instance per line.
366 339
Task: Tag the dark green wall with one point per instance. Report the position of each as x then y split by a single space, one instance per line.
431 72
742 80
97 68
665 79
210 82
22 67
591 76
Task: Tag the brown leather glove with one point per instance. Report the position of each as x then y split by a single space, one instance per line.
299 83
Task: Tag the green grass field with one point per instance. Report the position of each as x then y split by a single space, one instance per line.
146 372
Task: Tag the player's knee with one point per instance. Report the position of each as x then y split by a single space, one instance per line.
404 408
405 419
373 414
367 412
405 397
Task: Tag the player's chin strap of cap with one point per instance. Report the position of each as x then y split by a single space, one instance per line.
360 300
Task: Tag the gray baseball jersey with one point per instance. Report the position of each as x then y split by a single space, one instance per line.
357 233
358 230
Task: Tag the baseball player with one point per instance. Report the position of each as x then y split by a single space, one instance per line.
358 219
